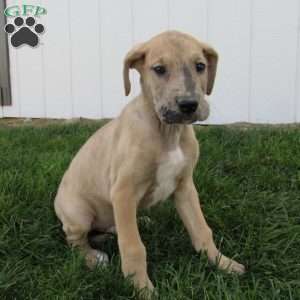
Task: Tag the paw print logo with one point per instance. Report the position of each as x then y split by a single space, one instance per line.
24 32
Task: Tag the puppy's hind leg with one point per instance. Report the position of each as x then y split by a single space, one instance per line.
78 237
77 225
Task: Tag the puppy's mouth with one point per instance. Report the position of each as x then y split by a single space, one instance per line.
174 117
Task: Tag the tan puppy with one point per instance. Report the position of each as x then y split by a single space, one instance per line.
145 155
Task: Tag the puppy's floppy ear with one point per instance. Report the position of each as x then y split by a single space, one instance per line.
132 60
212 59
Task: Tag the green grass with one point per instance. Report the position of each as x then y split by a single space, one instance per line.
249 183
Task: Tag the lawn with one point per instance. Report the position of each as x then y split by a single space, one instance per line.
249 183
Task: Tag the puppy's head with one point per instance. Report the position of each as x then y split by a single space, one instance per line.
177 71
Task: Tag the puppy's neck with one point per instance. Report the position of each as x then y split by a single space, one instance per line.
170 133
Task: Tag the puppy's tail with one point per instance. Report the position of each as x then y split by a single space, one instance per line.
97 238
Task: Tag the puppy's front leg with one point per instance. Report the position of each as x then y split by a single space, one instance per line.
188 207
132 249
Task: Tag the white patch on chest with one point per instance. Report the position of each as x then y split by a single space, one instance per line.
169 168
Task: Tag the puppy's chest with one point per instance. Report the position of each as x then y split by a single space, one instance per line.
167 173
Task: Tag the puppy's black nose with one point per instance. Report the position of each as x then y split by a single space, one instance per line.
187 106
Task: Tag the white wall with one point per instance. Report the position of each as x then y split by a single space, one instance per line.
77 70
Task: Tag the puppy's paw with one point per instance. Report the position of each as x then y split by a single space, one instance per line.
143 286
230 265
147 292
96 258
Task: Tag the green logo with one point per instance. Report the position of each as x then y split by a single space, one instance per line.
24 27
25 10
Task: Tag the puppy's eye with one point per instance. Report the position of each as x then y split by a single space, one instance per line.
200 67
160 70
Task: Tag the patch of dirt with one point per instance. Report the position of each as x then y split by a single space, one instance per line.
246 126
19 122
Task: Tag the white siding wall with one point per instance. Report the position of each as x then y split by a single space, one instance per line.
77 71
